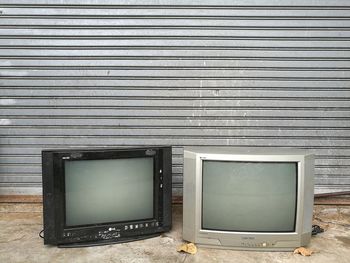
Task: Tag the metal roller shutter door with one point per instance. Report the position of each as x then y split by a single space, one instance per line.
246 73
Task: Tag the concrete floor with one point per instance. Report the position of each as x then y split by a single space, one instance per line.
21 223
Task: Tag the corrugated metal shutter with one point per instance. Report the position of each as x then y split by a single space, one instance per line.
118 73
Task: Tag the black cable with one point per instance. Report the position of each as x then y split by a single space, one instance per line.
316 229
40 233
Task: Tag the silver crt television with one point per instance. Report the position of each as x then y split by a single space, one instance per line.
248 198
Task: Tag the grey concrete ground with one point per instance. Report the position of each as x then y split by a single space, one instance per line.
21 223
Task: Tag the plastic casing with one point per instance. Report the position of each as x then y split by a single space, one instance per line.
274 241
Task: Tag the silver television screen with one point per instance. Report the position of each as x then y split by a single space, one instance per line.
249 196
110 190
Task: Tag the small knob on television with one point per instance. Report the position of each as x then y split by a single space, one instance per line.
76 155
150 152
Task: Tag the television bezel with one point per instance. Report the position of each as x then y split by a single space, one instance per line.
272 241
56 232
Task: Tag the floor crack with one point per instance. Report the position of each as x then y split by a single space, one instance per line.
16 239
184 259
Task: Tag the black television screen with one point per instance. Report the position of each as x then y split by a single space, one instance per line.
105 195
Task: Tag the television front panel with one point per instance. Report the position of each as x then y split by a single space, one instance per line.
248 198
106 195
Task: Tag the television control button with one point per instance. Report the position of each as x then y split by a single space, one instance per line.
131 226
136 226
141 225
160 171
146 224
157 224
126 227
161 186
264 244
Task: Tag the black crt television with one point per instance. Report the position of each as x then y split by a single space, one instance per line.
104 196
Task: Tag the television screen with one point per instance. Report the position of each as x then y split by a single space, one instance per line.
250 198
101 191
101 196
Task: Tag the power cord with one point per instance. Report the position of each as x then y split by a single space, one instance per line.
40 233
316 229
